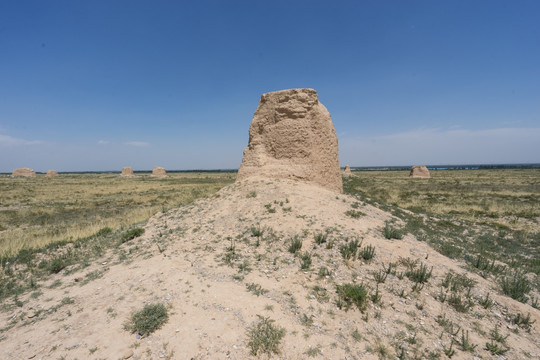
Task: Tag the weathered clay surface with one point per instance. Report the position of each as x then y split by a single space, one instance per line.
292 136
419 171
24 172
158 172
127 172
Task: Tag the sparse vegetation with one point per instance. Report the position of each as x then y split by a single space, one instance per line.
352 294
264 337
149 319
367 253
132 234
391 232
296 244
516 285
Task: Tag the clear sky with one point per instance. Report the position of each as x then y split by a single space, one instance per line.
98 85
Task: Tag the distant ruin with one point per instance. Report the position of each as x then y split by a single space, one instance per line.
51 173
158 172
23 172
419 171
127 172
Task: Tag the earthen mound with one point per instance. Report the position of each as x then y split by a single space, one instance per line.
51 173
347 170
158 172
292 137
419 171
23 172
127 172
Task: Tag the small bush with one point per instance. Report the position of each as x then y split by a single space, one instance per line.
306 261
132 234
367 253
56 265
264 337
320 238
350 294
149 319
516 286
354 213
296 244
348 250
103 232
390 232
420 275
257 231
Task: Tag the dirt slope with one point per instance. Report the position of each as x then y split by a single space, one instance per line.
217 278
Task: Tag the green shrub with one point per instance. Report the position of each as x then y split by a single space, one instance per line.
320 238
516 286
420 275
103 232
391 232
348 250
56 265
149 319
306 261
264 337
296 244
354 213
350 294
132 234
367 253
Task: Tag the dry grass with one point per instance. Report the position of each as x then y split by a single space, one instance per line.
35 212
508 198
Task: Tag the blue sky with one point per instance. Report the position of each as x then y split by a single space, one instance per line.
98 85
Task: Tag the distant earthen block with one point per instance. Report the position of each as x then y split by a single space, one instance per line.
127 172
419 171
23 172
158 172
51 173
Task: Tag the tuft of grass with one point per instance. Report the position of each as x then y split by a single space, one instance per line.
419 275
320 238
131 234
149 319
367 253
465 343
354 213
256 289
390 232
264 337
305 261
516 286
352 294
296 244
349 250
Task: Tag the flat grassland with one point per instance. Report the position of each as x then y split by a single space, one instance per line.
479 216
35 212
507 199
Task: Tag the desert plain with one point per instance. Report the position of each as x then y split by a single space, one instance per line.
446 267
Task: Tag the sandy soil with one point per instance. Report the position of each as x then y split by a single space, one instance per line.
180 261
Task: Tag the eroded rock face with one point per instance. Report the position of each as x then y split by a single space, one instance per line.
127 171
292 136
51 173
419 171
158 172
24 172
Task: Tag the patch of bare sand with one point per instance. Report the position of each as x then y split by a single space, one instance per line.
181 261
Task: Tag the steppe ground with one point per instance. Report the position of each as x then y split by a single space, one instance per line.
394 268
